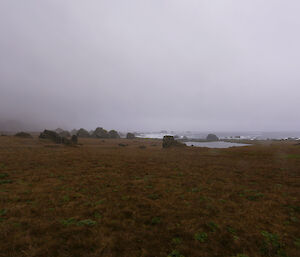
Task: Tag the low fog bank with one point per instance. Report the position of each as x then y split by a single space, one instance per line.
150 65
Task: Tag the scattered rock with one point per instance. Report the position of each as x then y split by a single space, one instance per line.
100 133
130 135
58 130
23 135
54 137
212 137
65 133
169 141
113 134
51 135
73 132
74 139
83 133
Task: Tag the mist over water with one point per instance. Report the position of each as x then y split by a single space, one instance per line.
224 135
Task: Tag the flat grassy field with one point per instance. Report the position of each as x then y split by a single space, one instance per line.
101 199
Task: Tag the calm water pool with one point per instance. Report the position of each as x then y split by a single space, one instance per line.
218 144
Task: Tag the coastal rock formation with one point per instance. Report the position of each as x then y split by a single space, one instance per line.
64 133
100 133
51 135
54 137
212 137
113 134
83 133
73 132
169 141
130 135
23 135
74 139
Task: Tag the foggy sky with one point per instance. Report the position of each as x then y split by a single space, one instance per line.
151 65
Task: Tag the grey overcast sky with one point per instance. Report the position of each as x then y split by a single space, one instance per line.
151 64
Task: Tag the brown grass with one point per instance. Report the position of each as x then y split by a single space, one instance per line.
102 199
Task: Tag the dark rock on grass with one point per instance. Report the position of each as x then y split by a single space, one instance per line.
113 134
51 135
83 133
123 145
74 139
169 141
23 135
54 137
100 133
212 137
65 133
73 132
130 136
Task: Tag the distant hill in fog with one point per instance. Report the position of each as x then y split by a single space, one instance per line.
15 126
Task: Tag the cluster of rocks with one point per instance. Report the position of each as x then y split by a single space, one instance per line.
169 141
97 133
57 138
23 135
130 135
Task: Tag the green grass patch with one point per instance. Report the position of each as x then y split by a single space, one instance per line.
293 156
154 196
68 222
175 253
87 222
100 202
6 181
297 242
155 220
3 175
73 221
97 215
66 198
176 240
255 197
213 226
201 237
271 245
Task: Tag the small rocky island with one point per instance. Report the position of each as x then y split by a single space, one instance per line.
212 137
169 141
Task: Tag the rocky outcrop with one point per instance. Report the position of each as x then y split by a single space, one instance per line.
74 139
54 137
65 133
169 141
23 135
83 133
113 134
73 132
212 137
51 135
130 135
100 133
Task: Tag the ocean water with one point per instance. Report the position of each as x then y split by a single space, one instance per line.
219 144
224 135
